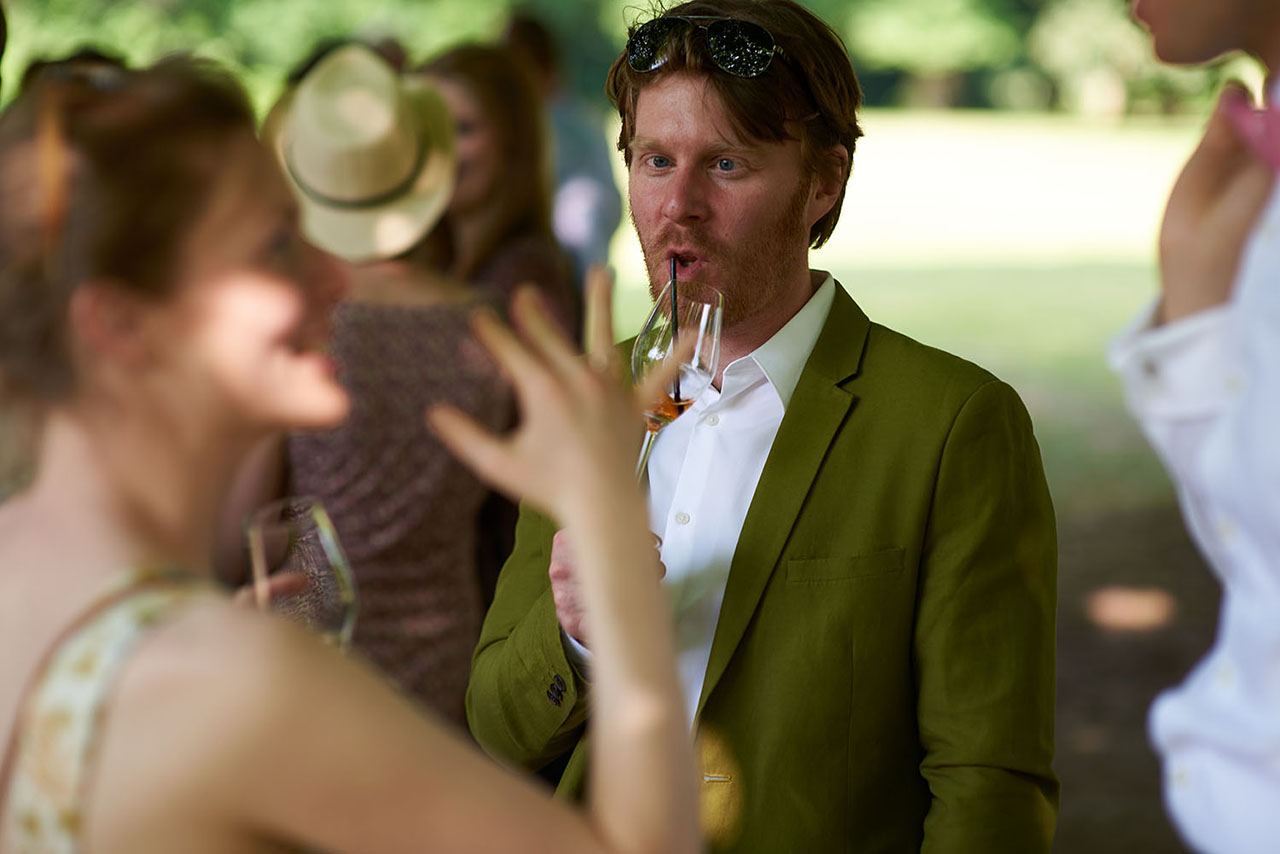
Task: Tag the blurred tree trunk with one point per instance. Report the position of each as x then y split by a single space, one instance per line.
932 91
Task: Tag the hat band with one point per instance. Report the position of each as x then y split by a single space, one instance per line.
373 201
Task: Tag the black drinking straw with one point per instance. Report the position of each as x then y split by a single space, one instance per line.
675 322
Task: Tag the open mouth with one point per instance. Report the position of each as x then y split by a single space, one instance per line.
683 257
687 263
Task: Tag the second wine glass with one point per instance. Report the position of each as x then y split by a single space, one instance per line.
300 570
698 314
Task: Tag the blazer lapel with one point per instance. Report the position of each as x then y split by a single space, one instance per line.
818 407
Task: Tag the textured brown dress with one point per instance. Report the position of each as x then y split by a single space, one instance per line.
405 510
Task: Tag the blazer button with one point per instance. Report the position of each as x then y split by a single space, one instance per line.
560 683
555 699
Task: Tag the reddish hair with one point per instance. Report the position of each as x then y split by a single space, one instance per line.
811 86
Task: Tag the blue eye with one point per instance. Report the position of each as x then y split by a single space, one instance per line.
657 161
724 164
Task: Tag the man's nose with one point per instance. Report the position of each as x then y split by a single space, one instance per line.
687 197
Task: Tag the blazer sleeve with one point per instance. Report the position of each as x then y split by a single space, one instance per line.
984 637
526 704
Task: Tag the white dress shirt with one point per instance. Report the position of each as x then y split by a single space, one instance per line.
703 472
1207 392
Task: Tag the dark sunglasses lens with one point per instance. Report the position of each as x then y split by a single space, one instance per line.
740 47
646 47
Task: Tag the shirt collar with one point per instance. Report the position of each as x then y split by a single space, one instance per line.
782 358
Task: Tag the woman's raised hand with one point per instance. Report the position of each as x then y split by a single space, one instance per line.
579 422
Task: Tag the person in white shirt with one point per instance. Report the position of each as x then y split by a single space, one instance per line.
859 542
1200 370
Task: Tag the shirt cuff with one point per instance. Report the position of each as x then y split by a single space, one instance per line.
1184 369
579 656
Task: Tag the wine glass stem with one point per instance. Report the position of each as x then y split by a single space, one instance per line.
643 465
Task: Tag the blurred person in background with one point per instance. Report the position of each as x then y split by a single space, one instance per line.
160 313
496 232
1201 370
390 49
84 61
856 527
587 206
369 155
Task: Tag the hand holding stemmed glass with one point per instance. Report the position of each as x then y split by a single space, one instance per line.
300 570
680 314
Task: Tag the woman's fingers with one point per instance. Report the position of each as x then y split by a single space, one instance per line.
541 332
481 451
602 354
519 364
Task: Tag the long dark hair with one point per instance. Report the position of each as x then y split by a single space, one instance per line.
510 102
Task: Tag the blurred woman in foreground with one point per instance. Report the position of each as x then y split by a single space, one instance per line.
159 314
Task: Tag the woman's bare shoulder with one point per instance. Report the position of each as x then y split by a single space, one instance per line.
200 724
217 657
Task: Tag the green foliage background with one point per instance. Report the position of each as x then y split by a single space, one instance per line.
1034 54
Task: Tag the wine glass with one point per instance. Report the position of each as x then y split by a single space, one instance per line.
699 313
300 570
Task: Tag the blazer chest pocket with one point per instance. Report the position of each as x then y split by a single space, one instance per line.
822 570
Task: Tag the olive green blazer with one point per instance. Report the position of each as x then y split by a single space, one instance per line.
882 673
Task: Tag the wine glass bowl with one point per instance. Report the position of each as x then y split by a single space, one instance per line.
698 315
300 570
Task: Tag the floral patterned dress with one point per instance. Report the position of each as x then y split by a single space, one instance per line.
49 760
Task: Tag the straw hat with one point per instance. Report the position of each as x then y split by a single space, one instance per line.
369 154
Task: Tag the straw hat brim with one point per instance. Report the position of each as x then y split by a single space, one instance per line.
392 227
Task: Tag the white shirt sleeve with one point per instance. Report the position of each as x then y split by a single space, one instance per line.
576 652
1206 390
1178 380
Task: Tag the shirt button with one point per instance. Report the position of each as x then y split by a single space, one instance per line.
1233 384
682 518
1225 676
1180 778
713 420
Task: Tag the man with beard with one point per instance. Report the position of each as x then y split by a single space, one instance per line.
857 525
1200 370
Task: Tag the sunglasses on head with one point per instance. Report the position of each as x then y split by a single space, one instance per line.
740 48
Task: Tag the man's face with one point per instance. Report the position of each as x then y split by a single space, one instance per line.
734 212
1192 31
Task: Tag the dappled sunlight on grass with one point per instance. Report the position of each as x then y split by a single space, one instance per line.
1129 609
